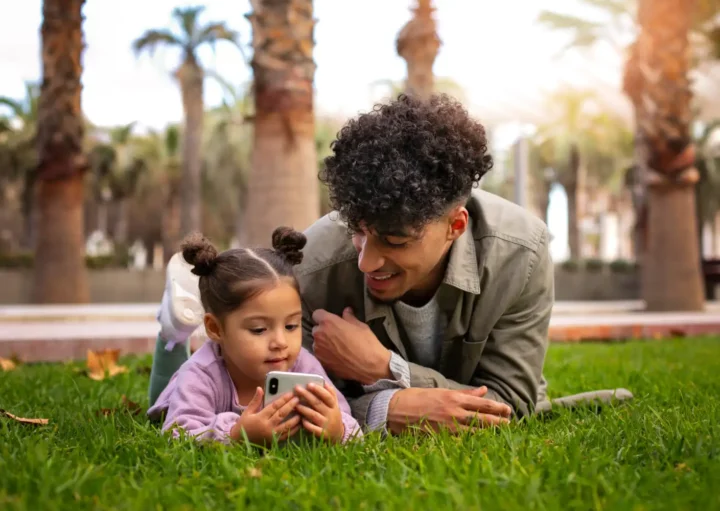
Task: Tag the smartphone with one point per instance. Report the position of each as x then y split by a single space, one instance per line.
278 383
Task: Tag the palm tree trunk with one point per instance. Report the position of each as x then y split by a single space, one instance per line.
574 188
418 43
171 224
190 76
673 273
121 225
283 188
60 271
102 216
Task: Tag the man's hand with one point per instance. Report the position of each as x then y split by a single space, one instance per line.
347 348
438 408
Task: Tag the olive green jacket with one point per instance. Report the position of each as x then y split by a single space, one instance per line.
498 294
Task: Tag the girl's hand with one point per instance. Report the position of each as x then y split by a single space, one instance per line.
320 412
261 425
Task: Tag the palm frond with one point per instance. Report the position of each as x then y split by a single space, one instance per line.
121 134
187 18
215 32
4 125
615 8
172 140
15 106
558 21
151 39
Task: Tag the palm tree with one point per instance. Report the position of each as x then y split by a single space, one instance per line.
20 141
585 146
282 187
190 75
418 43
60 275
117 169
708 187
668 156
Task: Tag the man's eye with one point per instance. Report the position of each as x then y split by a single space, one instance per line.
257 331
396 244
292 327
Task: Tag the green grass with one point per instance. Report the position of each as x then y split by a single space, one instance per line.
660 451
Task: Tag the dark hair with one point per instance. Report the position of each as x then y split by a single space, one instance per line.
231 277
405 163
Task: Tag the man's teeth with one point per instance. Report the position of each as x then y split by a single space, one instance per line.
382 278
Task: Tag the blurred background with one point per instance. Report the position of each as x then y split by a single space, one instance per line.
159 118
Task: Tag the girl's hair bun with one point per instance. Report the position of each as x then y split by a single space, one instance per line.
289 243
198 251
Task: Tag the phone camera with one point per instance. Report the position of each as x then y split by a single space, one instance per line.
273 385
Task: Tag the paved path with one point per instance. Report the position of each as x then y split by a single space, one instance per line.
143 311
36 333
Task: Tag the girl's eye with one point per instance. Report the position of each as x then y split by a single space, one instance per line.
257 331
290 328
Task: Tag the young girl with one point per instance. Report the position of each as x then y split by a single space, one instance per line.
253 320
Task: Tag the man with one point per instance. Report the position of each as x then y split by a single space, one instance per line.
427 298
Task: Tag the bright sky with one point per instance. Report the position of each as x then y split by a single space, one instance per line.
494 50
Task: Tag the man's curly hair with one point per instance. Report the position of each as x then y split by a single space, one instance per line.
405 163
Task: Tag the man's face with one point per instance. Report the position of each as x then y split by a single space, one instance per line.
408 263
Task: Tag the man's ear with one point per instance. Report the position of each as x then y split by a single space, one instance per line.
213 327
457 223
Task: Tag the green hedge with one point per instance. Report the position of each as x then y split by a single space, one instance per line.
598 265
26 260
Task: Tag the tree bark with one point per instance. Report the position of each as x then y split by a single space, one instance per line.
190 76
283 188
60 274
418 43
673 278
60 271
673 281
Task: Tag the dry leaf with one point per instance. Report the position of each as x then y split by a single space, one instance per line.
6 364
129 406
37 422
103 364
255 473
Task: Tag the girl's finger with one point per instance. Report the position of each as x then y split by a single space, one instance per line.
325 393
311 415
279 415
312 428
273 407
287 425
290 433
310 398
255 403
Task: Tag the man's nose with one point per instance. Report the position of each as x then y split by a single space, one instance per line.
369 259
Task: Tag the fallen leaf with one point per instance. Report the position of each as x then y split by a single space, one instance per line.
103 364
6 364
682 467
37 422
255 473
129 406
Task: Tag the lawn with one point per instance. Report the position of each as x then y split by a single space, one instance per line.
660 451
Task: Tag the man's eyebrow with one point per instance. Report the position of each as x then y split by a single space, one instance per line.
398 234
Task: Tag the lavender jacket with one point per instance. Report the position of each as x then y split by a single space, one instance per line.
201 397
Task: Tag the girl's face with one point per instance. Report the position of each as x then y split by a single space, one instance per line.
263 335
